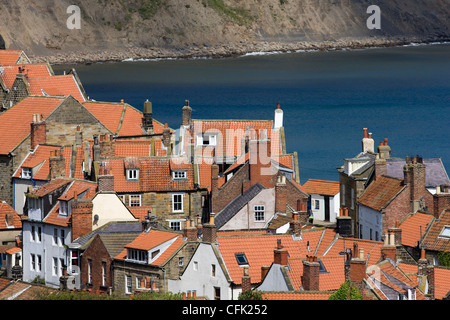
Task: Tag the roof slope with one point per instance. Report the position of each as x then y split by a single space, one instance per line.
381 192
57 85
435 173
433 239
234 206
7 213
322 187
16 120
413 227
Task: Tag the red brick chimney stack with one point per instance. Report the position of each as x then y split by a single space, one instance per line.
190 232
246 280
389 249
310 278
209 230
38 131
81 217
280 255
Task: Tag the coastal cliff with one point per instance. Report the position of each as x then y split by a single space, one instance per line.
119 29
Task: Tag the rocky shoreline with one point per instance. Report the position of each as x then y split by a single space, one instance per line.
222 51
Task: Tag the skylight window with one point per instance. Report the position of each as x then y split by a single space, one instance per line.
241 259
445 233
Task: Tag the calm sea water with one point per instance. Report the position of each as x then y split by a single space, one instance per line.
401 93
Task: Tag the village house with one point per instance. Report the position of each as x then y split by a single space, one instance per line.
92 255
153 259
323 201
49 224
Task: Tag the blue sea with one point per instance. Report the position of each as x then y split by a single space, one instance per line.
399 93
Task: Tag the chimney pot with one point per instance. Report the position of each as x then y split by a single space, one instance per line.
365 132
385 141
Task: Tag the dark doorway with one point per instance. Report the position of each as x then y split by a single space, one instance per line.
327 207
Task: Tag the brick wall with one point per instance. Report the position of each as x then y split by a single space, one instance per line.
396 210
310 277
6 172
97 254
81 217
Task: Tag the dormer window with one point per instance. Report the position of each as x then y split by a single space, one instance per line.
179 174
206 139
132 174
445 233
137 255
64 208
26 173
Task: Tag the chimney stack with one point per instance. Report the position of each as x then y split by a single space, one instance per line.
264 271
357 272
57 164
344 223
187 111
389 249
278 118
147 120
105 178
280 255
384 150
260 162
81 217
190 231
414 177
166 138
246 281
209 230
367 142
310 277
38 131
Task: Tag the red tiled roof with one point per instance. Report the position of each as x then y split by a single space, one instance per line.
132 148
140 212
50 186
39 156
120 118
258 249
151 239
233 132
433 241
296 295
323 187
78 187
8 57
16 120
380 192
414 227
57 85
6 209
441 282
9 73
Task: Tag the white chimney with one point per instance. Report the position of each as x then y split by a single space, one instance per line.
278 123
367 142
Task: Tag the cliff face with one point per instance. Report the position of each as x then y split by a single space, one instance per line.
40 28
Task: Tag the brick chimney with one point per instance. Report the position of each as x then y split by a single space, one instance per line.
280 255
190 231
344 223
105 178
380 168
357 272
280 194
38 131
186 116
107 146
210 230
367 142
166 138
214 177
147 120
310 277
397 232
81 217
389 249
57 164
246 281
264 271
294 225
414 177
422 264
260 162
441 200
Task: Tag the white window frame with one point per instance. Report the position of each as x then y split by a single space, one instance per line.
128 284
211 138
445 232
90 271
72 259
316 204
55 236
55 266
61 266
179 174
33 234
33 262
175 225
38 263
133 203
133 174
195 266
64 208
104 273
26 173
39 234
174 202
258 211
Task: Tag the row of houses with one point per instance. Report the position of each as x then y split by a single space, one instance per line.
101 196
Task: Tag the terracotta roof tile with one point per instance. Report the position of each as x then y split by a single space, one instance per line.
8 73
57 85
5 211
442 282
297 295
39 156
16 120
8 57
380 192
323 187
140 212
50 186
414 227
433 239
151 239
